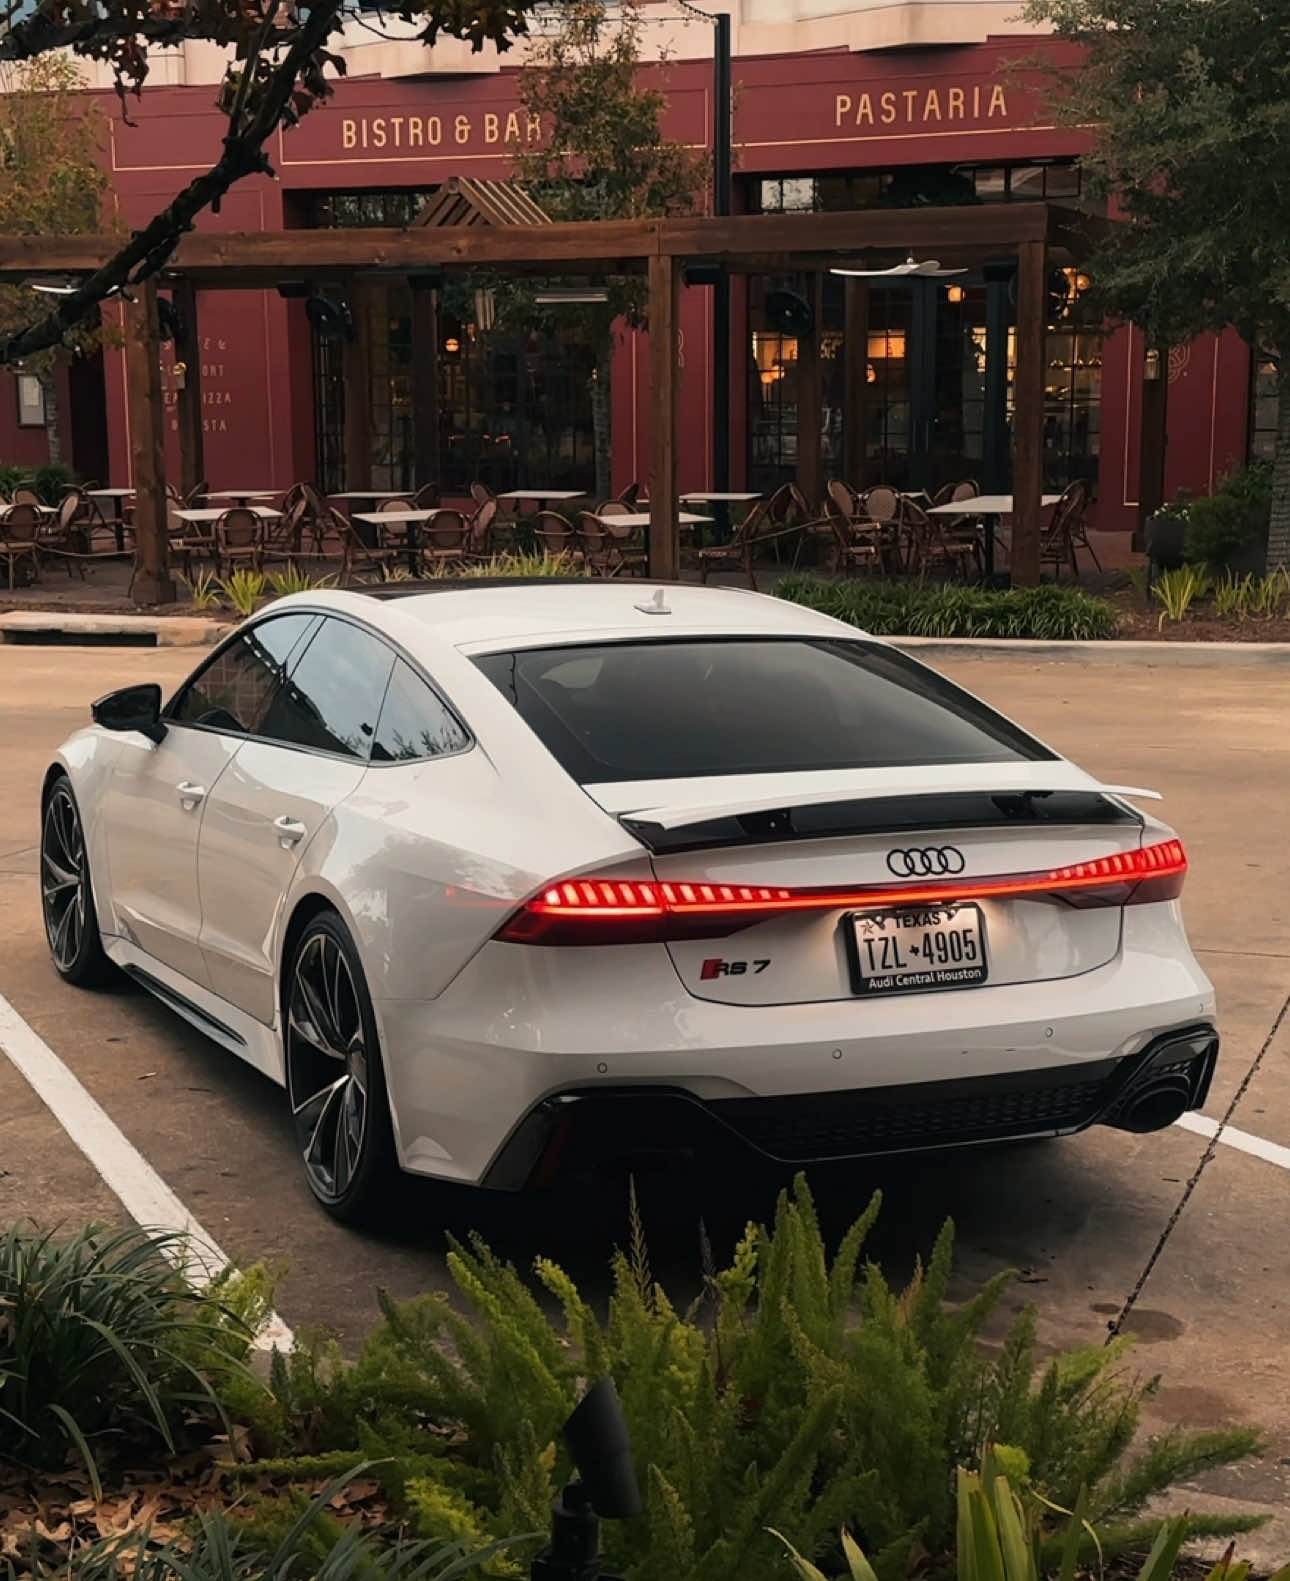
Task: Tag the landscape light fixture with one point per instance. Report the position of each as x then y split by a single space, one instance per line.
604 1489
52 286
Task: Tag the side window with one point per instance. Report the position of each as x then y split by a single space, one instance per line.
333 697
415 723
233 691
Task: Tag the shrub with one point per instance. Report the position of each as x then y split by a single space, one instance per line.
244 589
1005 1532
13 477
1230 526
801 1392
100 1334
315 1545
919 610
293 580
52 480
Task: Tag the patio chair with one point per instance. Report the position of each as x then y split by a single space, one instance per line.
427 497
841 500
479 492
479 533
630 497
280 540
628 543
596 545
1061 539
18 547
933 548
66 535
555 536
748 536
339 544
859 545
239 540
26 496
444 539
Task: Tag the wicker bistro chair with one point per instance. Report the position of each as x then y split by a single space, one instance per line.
479 533
19 550
26 496
841 500
1066 533
338 544
281 539
239 540
427 497
628 543
932 548
755 530
859 545
444 540
598 547
555 536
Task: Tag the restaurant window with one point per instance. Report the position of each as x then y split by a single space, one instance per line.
910 186
1263 410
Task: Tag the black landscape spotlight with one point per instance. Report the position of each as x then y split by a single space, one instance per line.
604 1489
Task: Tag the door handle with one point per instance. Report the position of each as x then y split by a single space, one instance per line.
290 831
190 794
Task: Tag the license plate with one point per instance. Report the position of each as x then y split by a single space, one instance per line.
895 952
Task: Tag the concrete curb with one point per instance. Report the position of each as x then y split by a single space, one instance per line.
1158 655
64 628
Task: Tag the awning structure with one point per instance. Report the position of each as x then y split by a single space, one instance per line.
489 226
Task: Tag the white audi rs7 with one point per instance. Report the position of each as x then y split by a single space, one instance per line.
495 878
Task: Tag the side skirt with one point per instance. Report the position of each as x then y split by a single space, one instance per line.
214 1017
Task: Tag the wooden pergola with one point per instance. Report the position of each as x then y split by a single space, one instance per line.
1038 236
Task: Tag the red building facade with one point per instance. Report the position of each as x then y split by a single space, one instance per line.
833 128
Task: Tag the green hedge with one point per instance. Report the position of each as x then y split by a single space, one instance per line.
916 610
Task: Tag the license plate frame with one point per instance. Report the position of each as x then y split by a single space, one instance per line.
869 984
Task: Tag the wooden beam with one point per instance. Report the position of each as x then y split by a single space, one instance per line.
151 583
809 376
664 314
425 386
1028 412
855 396
188 397
358 392
257 259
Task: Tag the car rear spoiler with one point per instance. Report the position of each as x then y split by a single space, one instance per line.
681 816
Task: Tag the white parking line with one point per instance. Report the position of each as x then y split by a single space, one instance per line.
1242 1141
143 1193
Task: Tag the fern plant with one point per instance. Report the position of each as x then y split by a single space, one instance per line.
801 1392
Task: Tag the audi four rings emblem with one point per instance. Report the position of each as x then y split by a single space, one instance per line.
926 861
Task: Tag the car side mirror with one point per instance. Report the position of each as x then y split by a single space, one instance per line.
131 708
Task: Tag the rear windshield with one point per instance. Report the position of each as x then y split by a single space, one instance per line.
676 710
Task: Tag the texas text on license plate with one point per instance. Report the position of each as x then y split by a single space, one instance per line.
923 948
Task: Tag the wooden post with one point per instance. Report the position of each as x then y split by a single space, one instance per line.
151 583
188 397
425 385
810 402
1028 412
664 311
855 410
358 392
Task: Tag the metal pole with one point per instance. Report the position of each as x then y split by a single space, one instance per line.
721 196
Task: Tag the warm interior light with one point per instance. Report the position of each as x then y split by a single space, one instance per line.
452 344
955 293
887 345
609 910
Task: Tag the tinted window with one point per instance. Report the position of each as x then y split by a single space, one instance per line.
235 689
415 723
333 698
663 710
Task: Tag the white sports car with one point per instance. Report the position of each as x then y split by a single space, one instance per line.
495 878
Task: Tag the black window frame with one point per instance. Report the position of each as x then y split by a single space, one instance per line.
297 652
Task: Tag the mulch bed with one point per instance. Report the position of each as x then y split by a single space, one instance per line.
1201 624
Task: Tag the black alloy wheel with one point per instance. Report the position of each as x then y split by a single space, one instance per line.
334 1076
66 897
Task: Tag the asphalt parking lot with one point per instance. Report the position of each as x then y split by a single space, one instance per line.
1184 1231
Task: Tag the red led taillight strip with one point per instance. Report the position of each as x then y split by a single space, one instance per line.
570 911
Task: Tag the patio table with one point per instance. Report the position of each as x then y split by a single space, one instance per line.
118 498
409 519
992 508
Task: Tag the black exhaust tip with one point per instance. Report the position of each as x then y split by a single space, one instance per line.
1155 1105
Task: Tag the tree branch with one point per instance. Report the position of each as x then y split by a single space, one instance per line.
149 249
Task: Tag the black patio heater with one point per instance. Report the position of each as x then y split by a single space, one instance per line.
604 1489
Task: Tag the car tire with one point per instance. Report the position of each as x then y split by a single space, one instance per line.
335 1079
67 894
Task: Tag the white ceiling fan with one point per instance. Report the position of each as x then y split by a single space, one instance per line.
929 266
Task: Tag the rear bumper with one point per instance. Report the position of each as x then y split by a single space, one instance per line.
520 1026
581 1130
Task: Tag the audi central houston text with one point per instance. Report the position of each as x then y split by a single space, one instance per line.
503 881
